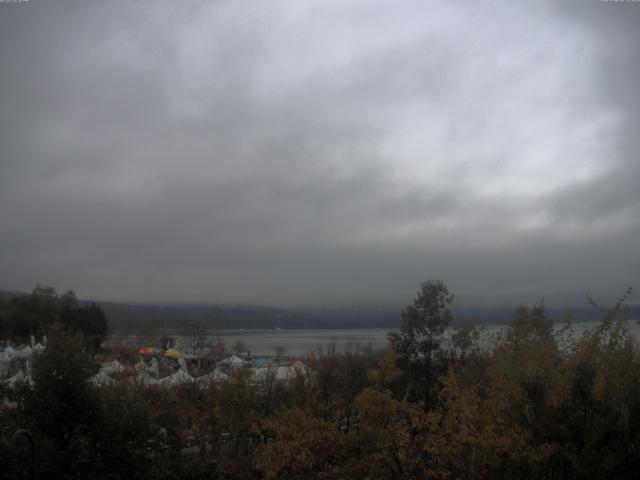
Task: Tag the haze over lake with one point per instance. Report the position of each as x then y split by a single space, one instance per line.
300 342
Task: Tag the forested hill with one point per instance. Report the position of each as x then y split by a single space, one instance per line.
128 317
125 317
6 295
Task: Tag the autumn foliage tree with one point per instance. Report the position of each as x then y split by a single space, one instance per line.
534 400
299 445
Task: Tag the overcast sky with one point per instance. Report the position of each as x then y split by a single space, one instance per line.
323 153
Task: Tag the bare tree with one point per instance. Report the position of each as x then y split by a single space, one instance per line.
195 336
239 347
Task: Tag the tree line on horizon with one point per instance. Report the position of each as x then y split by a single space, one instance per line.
25 316
539 403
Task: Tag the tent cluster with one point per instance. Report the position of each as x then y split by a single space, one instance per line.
280 372
104 375
156 368
149 371
9 353
15 363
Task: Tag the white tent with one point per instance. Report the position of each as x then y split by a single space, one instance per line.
144 378
102 378
112 367
299 368
11 353
4 363
183 364
233 360
283 373
146 374
17 378
27 351
262 374
215 376
151 369
175 379
140 367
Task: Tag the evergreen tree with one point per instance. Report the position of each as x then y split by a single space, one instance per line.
420 337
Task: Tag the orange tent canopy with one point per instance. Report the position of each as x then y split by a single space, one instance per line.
146 351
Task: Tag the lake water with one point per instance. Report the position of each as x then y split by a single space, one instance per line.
304 341
301 342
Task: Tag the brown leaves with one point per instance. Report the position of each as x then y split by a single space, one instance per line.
299 445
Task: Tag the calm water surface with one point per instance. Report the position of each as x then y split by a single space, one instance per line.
304 341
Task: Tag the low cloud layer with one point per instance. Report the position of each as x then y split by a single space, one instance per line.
322 153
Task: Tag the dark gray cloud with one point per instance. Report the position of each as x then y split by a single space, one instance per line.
327 154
